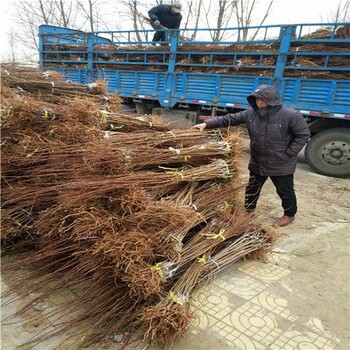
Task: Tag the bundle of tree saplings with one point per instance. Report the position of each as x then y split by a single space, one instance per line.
128 212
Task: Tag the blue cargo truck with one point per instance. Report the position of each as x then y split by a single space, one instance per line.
190 75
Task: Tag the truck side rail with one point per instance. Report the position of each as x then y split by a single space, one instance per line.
311 72
237 54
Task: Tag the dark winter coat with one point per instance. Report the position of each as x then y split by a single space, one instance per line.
163 14
277 134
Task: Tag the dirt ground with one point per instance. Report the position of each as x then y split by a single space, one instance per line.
317 244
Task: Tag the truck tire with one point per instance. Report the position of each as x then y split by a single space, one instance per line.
140 108
328 152
143 108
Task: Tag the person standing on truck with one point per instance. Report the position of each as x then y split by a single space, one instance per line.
277 135
165 17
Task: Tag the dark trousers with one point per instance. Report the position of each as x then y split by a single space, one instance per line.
159 36
284 186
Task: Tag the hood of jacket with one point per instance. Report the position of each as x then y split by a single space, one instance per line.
268 93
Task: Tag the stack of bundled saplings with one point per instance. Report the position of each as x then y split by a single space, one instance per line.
221 63
131 213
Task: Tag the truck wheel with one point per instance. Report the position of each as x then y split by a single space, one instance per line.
328 152
140 108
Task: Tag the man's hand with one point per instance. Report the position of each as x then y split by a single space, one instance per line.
201 126
156 23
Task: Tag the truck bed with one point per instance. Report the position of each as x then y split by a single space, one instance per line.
206 74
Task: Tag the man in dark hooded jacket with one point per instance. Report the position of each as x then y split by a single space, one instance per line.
165 16
277 134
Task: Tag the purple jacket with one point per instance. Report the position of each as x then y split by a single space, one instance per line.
277 134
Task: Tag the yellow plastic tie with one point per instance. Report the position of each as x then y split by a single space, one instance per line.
46 114
172 298
202 259
113 127
169 170
157 268
227 148
227 206
171 133
228 173
215 235
187 157
103 116
172 171
181 175
127 155
201 216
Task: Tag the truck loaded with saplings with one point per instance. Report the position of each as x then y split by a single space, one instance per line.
190 75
